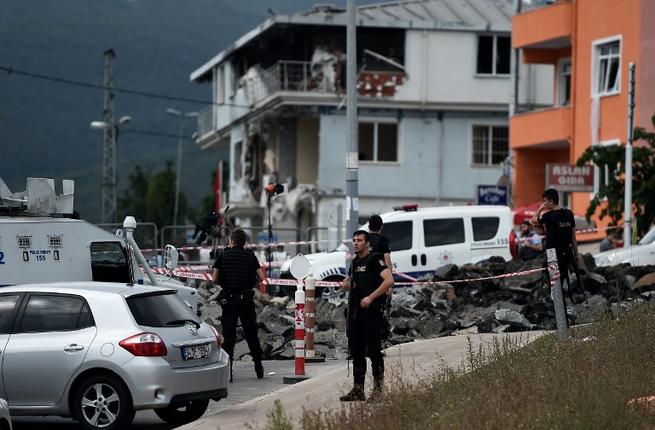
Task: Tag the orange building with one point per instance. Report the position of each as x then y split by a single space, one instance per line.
590 44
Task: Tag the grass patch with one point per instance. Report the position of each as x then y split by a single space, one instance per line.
582 383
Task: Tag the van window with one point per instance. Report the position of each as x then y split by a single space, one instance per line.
109 262
485 228
7 305
52 313
445 231
399 235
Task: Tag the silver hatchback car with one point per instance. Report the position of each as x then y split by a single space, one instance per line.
100 351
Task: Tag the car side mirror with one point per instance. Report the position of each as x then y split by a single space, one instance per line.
170 257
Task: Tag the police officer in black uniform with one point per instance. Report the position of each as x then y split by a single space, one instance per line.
380 243
370 279
237 271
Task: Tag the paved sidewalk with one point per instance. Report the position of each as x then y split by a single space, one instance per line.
329 380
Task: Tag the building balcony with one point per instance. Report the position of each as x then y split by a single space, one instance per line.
546 128
316 79
548 27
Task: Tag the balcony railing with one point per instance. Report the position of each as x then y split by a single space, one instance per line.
286 75
206 121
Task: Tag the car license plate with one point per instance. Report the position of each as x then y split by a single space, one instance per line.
195 352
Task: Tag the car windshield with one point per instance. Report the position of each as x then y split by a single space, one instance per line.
649 238
160 309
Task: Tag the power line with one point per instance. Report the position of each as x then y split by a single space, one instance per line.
10 70
152 133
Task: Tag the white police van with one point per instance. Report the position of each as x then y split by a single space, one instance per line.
38 244
424 239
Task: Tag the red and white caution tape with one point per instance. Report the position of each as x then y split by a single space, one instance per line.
203 276
207 276
553 273
292 282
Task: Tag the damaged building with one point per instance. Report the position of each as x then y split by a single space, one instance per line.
433 84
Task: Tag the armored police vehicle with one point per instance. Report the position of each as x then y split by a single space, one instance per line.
41 242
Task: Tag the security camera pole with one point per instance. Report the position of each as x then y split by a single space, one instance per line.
352 155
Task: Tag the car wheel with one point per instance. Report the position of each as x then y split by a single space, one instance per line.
183 413
103 402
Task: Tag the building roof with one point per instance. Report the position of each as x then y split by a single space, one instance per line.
448 15
460 14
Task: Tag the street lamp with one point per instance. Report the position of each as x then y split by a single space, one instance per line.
181 116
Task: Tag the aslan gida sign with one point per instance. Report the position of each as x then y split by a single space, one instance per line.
568 178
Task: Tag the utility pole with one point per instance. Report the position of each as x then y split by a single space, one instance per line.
627 209
109 135
352 154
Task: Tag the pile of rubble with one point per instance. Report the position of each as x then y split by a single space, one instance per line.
443 309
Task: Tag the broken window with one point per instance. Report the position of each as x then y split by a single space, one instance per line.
378 141
493 55
608 66
490 144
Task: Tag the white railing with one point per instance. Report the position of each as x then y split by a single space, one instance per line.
286 75
206 121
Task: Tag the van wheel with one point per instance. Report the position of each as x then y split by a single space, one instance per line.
183 413
334 293
103 402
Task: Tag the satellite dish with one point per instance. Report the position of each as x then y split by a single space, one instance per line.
300 267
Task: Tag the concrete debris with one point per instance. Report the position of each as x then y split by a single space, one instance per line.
492 306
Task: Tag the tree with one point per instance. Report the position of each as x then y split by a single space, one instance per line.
133 202
160 198
610 196
151 198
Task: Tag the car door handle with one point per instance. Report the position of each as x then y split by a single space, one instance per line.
414 259
424 259
73 347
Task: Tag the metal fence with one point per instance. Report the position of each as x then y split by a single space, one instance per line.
150 239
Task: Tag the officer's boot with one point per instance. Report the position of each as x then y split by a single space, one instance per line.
259 369
356 394
378 386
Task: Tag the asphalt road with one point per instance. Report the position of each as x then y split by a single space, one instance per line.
245 387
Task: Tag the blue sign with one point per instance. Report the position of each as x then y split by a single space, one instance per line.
492 195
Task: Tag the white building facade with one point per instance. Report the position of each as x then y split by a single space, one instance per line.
434 85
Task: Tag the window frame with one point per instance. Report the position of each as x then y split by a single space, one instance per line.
23 308
489 149
376 122
595 64
561 80
126 255
494 56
